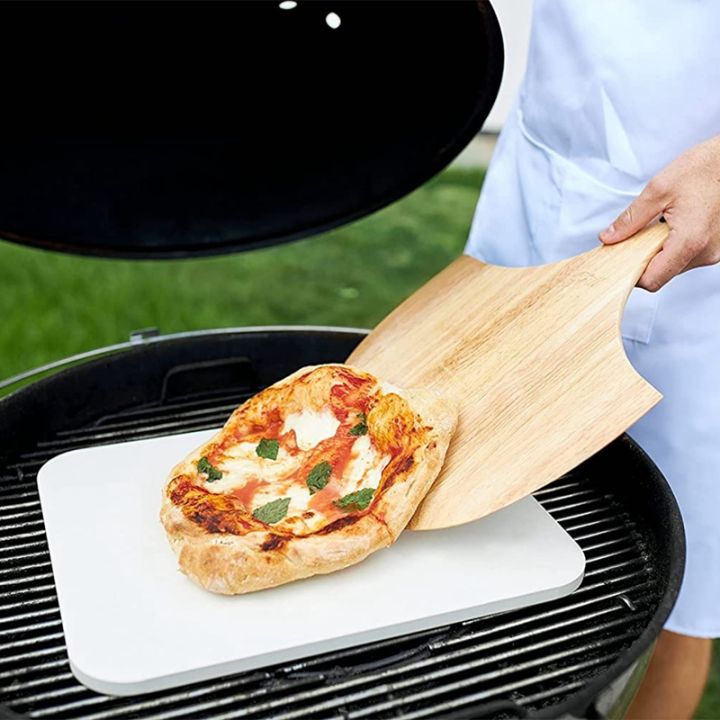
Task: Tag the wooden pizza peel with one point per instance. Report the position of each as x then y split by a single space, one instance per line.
533 357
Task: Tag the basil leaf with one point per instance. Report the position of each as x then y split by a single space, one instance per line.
318 477
211 471
268 449
359 500
272 512
359 429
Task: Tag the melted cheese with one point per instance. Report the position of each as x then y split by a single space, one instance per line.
241 465
311 427
365 466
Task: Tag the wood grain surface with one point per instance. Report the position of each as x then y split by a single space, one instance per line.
534 359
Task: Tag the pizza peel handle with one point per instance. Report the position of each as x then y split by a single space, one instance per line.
534 359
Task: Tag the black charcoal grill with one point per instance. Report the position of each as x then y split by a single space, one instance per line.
354 146
543 661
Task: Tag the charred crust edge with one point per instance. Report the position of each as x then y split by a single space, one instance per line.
273 542
339 524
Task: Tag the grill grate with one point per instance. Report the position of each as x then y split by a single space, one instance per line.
511 663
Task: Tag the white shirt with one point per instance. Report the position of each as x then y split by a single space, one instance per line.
614 91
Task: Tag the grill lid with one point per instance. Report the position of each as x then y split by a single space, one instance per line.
244 124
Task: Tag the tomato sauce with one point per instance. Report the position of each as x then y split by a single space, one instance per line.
247 492
323 501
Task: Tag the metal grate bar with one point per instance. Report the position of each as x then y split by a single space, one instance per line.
18 466
9 549
153 410
135 706
555 692
604 524
55 693
13 632
105 438
605 552
22 479
9 619
560 517
551 497
17 593
607 556
197 707
18 686
616 532
130 425
5 496
573 527
623 541
100 438
149 415
563 483
25 568
587 502
30 669
24 579
27 642
23 525
21 657
580 538
25 603
27 556
616 566
19 510
60 708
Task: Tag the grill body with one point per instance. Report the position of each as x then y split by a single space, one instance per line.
543 661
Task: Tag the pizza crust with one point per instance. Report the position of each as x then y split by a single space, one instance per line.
232 564
228 563
398 504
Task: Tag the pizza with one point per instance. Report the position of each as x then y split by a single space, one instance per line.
309 476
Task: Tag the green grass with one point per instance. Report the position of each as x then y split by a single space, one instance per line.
710 706
52 306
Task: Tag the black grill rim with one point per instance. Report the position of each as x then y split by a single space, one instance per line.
666 522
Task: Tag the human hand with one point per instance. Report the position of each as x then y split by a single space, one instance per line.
687 193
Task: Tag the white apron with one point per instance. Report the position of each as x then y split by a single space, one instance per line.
613 91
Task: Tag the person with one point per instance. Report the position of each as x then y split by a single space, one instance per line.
617 123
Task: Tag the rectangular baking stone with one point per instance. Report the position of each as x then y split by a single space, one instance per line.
134 624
